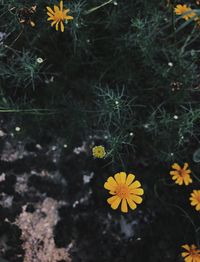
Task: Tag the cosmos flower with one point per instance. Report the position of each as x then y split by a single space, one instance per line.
98 151
192 254
181 175
195 199
182 9
58 16
124 191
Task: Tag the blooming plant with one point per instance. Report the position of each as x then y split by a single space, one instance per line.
124 191
191 253
99 151
181 175
195 199
58 16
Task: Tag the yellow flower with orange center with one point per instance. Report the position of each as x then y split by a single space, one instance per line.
58 16
195 199
124 191
182 9
181 175
192 254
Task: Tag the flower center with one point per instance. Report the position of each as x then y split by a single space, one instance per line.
122 191
59 16
182 173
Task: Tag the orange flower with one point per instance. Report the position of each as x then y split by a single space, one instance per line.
182 9
195 199
58 16
192 254
124 190
181 175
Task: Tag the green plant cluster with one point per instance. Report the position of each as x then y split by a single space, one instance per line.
120 71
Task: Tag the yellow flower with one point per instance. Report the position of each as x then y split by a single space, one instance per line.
124 190
181 9
195 199
181 175
98 151
59 15
192 254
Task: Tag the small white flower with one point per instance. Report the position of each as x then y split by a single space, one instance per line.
131 134
170 64
175 117
17 128
171 154
40 60
117 102
115 3
65 146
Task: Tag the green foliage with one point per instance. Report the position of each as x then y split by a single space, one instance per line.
115 71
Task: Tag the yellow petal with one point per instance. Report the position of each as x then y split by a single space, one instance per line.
176 166
186 247
50 18
56 9
131 204
68 17
185 166
124 207
118 178
189 259
116 203
61 5
136 199
50 10
129 179
184 254
110 200
57 26
110 184
135 184
137 191
198 207
49 14
62 26
53 23
174 173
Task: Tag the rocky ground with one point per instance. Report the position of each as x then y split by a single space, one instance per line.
53 207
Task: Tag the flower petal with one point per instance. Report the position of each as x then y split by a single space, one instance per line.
135 184
50 10
62 26
61 5
131 204
137 191
186 247
136 199
185 166
110 184
124 207
110 200
57 26
119 177
53 23
129 179
116 203
176 166
56 9
68 17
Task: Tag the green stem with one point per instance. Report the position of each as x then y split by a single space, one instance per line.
97 7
